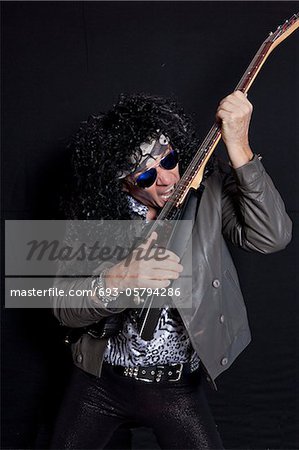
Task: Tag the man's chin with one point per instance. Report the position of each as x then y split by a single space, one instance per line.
162 201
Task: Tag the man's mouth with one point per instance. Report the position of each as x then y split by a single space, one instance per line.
168 193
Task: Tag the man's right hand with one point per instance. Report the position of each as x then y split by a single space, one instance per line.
145 268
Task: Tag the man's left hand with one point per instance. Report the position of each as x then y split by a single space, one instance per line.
234 113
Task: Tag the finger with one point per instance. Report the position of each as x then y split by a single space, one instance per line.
150 267
237 98
232 115
240 94
161 254
157 270
223 116
231 106
237 95
168 265
152 284
165 274
226 107
227 100
162 273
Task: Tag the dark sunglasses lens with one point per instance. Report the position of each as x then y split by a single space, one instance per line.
146 179
170 161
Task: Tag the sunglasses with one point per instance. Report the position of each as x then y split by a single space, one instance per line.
146 179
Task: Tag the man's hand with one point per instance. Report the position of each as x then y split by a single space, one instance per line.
155 271
234 113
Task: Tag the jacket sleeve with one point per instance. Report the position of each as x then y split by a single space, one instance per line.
253 213
73 305
78 310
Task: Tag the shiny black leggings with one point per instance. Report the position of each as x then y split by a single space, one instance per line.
93 408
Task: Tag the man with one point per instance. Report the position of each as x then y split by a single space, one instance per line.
126 167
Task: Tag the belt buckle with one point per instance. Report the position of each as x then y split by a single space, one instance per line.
179 373
156 373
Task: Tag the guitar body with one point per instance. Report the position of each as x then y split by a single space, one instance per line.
146 318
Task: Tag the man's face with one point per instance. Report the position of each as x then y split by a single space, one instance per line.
155 196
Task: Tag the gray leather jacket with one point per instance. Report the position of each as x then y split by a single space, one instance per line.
242 206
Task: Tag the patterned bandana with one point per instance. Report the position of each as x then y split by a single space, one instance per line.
150 150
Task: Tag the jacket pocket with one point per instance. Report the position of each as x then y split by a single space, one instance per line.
88 354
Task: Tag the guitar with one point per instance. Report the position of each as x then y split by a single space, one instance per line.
190 182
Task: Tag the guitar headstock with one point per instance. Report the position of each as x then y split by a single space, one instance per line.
284 30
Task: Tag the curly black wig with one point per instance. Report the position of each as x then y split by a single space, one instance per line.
103 146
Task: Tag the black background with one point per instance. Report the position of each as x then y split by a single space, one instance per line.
62 61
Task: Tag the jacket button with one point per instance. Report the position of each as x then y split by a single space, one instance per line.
224 361
221 318
79 358
216 283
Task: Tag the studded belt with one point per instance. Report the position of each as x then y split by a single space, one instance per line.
156 374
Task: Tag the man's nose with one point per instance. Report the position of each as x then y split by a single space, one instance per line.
164 176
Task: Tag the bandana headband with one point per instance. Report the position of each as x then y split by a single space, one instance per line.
150 150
